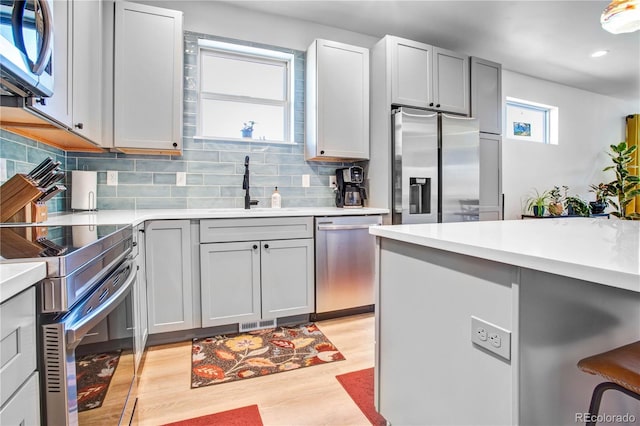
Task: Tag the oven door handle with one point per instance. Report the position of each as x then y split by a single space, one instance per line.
78 329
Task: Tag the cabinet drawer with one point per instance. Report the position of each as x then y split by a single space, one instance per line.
24 407
17 342
268 228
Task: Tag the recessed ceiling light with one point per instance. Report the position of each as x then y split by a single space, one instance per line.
599 53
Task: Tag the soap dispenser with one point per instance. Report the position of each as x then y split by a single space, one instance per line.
275 199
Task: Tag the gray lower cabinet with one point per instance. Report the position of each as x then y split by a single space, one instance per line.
19 390
169 275
140 296
249 280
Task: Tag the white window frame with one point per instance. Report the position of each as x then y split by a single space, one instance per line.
255 54
550 120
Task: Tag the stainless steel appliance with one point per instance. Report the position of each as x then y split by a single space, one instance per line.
436 167
85 307
345 265
26 47
349 190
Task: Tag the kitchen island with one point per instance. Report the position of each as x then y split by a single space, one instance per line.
552 292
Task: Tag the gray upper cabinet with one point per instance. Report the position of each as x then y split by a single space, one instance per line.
486 94
77 99
147 80
426 76
169 275
337 101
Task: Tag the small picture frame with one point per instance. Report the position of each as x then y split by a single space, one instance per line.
521 129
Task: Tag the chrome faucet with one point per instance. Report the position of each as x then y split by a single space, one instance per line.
245 184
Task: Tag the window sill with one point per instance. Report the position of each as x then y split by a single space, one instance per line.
247 140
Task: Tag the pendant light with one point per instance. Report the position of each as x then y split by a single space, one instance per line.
621 16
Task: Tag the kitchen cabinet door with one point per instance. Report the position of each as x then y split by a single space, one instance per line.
148 58
411 73
337 101
77 98
486 94
450 81
490 177
87 69
230 282
287 277
58 106
169 279
140 291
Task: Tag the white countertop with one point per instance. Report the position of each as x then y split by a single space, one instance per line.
134 217
597 250
16 277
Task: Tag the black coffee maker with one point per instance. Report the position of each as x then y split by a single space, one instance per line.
349 192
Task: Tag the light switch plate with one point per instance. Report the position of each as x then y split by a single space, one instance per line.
306 181
181 179
491 337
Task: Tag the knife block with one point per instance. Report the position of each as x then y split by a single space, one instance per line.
16 197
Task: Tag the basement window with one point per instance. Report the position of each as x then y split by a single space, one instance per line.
244 87
531 121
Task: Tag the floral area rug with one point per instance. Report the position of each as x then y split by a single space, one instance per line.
223 359
359 386
93 375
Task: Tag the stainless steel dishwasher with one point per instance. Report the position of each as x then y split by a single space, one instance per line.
345 257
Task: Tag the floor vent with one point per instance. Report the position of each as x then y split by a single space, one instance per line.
257 325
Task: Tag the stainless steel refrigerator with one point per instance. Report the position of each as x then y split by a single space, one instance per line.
436 167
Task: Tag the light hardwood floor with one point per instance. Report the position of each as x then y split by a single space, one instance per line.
308 396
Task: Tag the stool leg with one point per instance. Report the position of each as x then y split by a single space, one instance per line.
594 406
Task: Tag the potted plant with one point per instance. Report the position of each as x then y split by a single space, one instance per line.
536 202
601 191
626 186
556 205
576 206
247 129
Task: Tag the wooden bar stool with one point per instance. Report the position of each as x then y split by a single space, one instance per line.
620 367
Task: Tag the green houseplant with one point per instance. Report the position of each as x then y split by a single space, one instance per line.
602 193
626 185
576 206
537 201
556 205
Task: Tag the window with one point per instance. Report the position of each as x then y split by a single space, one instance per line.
530 121
242 86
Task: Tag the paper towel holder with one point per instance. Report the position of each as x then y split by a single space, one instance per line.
83 190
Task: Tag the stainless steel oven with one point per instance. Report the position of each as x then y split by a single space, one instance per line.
86 320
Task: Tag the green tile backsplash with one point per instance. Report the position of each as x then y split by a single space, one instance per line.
214 168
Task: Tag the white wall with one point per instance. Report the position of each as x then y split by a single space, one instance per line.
588 124
225 20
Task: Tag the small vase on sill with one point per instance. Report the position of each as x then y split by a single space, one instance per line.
538 210
247 133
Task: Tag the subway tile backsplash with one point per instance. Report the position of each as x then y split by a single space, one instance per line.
214 168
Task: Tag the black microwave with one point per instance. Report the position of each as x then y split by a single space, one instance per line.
26 47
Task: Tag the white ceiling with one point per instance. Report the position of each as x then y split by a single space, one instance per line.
551 40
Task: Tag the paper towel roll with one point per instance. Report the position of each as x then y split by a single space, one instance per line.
84 187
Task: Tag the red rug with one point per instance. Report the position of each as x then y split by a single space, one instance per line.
359 386
243 416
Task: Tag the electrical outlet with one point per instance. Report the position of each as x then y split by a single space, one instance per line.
332 181
491 337
306 181
481 333
181 179
112 177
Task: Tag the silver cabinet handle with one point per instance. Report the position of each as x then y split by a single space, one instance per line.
344 227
